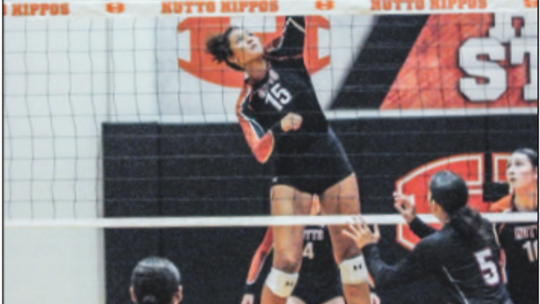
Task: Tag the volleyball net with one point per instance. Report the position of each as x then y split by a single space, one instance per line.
117 120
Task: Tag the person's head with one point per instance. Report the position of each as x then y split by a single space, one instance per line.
522 169
448 193
236 47
156 280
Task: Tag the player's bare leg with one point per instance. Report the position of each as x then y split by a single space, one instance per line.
344 198
288 241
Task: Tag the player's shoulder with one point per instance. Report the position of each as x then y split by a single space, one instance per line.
502 205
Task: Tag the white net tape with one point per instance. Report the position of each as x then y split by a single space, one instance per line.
242 221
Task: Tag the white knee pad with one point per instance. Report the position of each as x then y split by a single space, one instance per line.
354 271
280 283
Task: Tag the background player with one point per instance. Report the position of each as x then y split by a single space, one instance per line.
278 110
156 281
463 254
319 280
520 241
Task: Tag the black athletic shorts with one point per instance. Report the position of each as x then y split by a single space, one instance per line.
315 168
313 292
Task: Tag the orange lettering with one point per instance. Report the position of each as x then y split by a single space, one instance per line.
375 5
409 4
462 3
225 6
210 6
16 9
253 5
419 4
188 5
25 6
263 6
177 7
451 4
5 9
435 4
44 8
243 5
54 9
274 7
482 4
398 4
34 7
387 4
64 8
200 5
166 8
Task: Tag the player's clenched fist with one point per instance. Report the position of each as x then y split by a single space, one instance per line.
291 122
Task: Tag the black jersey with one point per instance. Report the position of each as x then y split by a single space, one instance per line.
520 244
286 88
470 274
319 275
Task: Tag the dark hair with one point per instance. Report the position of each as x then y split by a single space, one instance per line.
450 192
531 155
155 280
219 46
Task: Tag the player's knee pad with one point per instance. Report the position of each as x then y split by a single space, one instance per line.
354 271
280 283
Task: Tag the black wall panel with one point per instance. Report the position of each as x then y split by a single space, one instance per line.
208 170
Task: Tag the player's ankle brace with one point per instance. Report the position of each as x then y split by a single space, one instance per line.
354 271
280 283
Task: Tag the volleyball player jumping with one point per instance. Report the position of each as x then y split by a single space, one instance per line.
281 117
520 240
463 255
156 281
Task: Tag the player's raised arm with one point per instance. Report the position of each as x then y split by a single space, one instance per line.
405 206
291 42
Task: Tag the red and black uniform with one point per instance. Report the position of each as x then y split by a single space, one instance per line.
469 272
319 278
310 159
520 244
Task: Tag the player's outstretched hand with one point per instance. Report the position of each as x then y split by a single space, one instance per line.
291 122
360 233
405 206
248 299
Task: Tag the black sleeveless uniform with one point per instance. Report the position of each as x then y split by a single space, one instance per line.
469 273
520 244
310 159
319 277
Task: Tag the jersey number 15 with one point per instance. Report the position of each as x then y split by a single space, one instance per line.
278 96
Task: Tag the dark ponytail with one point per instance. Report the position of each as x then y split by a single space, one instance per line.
155 280
450 192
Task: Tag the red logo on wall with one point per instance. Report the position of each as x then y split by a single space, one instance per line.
470 61
469 166
202 66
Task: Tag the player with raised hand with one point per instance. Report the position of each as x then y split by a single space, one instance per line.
283 122
156 280
463 255
520 240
